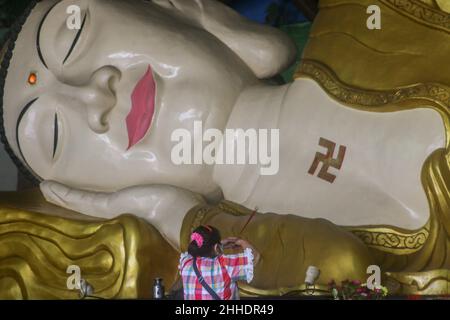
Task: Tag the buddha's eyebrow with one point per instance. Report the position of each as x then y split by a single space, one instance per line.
22 113
38 45
77 37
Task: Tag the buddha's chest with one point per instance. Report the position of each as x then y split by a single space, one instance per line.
349 166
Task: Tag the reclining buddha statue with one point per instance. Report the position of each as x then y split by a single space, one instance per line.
358 175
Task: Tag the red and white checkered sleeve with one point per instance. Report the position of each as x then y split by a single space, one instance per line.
240 266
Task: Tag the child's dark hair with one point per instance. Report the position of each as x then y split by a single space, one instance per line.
203 240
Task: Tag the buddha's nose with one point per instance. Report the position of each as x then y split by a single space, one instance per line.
99 96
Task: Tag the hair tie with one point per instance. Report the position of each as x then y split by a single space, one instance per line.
208 228
197 237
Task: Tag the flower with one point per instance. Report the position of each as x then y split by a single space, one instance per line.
354 290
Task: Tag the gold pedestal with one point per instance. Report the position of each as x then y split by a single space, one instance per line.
118 257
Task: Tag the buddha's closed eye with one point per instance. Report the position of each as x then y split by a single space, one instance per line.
55 125
19 120
73 43
55 135
38 37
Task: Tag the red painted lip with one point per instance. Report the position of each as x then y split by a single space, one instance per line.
142 108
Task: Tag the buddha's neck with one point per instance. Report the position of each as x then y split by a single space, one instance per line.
258 107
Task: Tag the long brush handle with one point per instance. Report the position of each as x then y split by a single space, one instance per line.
248 221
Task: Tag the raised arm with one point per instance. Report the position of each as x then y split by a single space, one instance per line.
244 244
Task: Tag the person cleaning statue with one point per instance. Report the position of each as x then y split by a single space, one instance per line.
207 273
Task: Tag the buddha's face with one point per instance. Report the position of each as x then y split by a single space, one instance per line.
109 95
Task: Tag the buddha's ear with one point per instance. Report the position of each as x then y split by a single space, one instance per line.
266 50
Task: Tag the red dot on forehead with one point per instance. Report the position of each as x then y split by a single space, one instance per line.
32 78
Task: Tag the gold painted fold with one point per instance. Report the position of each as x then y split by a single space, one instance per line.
288 245
119 257
434 282
407 50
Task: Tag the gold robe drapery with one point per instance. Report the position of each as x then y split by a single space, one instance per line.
404 65
120 258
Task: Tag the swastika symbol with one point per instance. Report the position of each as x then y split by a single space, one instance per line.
327 160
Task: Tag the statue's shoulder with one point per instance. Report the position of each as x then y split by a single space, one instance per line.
401 53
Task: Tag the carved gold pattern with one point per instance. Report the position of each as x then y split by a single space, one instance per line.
435 93
389 240
421 12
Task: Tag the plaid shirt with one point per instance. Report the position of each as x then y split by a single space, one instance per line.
220 273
